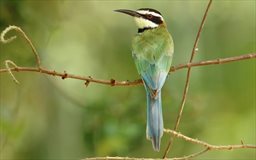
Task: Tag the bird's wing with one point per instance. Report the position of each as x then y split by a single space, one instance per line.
153 71
152 53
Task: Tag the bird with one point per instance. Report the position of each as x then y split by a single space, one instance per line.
152 51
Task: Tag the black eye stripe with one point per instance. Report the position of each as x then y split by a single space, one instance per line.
149 16
152 18
157 20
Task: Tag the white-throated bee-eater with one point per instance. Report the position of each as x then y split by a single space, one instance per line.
152 50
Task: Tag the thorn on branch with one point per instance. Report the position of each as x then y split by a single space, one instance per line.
87 83
113 82
65 75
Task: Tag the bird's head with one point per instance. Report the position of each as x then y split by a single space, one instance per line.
145 18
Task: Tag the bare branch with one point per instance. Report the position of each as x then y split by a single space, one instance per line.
121 158
89 79
18 29
192 155
215 61
7 62
65 75
194 50
208 147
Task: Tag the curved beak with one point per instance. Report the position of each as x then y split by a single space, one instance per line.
129 12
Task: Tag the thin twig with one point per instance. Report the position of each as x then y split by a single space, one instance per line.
191 155
215 61
8 40
65 75
194 50
89 79
208 147
7 63
174 158
122 158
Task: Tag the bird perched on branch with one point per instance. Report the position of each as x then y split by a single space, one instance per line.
152 50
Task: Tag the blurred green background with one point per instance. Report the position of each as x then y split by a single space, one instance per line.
46 117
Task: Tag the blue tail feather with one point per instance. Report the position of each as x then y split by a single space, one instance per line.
154 119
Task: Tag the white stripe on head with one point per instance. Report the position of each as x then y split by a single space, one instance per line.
144 23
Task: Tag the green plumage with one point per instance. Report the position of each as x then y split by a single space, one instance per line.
152 52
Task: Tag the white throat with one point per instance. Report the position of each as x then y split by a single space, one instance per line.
144 23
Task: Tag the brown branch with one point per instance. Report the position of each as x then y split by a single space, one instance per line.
120 158
215 61
89 79
208 147
194 50
192 155
65 75
7 63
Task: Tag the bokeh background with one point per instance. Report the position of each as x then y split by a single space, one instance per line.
46 117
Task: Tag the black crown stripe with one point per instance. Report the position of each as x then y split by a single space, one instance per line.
150 9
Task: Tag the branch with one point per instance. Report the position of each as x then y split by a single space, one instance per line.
19 30
120 158
208 147
89 79
112 82
7 62
192 155
214 61
194 50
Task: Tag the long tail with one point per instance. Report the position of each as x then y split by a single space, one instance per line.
154 119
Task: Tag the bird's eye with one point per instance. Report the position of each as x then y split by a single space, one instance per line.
149 16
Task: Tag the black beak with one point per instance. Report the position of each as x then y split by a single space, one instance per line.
129 12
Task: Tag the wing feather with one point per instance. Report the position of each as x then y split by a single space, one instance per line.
152 53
